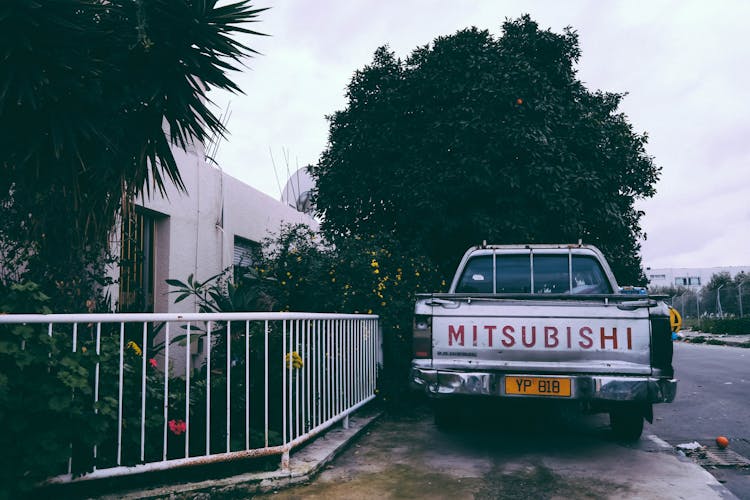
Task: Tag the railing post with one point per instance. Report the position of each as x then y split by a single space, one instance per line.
337 376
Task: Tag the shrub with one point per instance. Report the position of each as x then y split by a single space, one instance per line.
299 271
729 326
46 398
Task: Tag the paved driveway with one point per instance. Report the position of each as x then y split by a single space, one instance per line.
497 453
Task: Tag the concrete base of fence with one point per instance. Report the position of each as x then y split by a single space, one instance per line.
304 465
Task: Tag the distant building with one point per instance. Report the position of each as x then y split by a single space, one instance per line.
219 222
688 277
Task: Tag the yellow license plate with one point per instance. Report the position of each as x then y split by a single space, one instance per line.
538 386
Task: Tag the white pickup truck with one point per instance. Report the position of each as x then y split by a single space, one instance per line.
545 322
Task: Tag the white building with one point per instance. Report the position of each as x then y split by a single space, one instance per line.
217 223
688 277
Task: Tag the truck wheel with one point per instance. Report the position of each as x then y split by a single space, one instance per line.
446 416
627 424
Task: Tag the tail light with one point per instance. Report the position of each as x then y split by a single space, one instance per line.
661 345
422 337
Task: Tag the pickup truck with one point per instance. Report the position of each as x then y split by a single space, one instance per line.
547 322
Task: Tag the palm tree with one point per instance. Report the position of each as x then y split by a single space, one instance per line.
93 97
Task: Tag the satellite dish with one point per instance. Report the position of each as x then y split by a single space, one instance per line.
297 192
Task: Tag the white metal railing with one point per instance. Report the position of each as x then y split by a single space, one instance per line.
210 387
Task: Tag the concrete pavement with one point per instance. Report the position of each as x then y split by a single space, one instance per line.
694 337
492 455
513 457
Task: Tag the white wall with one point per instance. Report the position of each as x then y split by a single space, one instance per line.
665 277
195 230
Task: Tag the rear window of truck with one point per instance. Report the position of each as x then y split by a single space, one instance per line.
510 273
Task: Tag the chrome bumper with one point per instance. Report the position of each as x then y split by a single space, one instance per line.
641 389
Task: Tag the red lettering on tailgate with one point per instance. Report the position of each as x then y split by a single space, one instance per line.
605 337
490 329
458 335
550 336
533 336
585 332
630 339
508 341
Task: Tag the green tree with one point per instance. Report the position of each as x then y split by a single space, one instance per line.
720 286
476 137
93 96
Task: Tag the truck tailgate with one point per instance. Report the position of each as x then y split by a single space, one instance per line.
565 336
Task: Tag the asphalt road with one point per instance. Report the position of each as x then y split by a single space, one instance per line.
713 399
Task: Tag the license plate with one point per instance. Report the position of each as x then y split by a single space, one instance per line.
538 386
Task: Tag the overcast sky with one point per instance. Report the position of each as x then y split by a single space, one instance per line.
684 65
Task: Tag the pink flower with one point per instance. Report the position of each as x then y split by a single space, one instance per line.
177 427
153 363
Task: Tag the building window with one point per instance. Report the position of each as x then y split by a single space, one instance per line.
681 281
657 276
136 293
246 254
694 281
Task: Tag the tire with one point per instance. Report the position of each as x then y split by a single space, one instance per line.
627 424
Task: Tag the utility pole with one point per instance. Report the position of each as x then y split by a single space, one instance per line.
718 302
739 287
698 303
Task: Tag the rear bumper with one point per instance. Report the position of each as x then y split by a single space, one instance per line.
606 388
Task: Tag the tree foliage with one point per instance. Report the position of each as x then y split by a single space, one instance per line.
93 95
300 271
476 137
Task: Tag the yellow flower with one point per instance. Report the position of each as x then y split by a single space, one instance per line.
294 360
376 271
369 311
333 280
374 263
382 303
416 273
137 350
299 259
283 283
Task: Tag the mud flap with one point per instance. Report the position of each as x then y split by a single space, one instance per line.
648 413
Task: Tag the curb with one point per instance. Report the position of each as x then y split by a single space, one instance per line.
698 470
303 467
691 337
710 340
